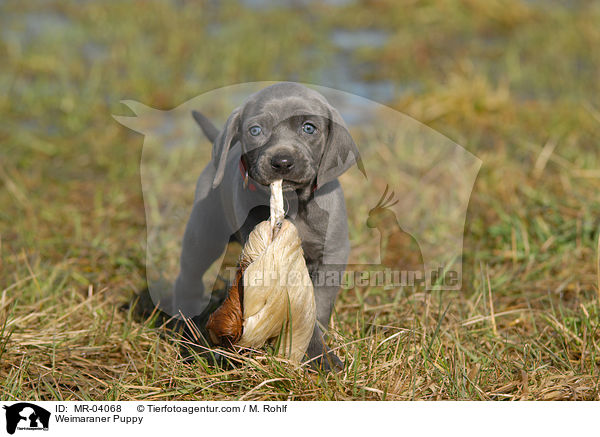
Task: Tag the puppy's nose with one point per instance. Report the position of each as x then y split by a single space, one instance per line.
282 163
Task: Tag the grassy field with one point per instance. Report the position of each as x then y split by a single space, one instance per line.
514 82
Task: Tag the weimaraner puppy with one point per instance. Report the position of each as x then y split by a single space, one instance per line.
285 131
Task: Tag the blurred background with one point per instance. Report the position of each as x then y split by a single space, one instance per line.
515 82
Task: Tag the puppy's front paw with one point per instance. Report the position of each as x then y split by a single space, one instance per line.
320 357
327 362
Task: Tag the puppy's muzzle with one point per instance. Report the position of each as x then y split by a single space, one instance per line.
282 163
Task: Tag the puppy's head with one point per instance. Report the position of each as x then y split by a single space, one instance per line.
288 132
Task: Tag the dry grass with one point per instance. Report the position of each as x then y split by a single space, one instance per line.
516 85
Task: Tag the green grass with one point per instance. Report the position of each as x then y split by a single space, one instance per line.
514 82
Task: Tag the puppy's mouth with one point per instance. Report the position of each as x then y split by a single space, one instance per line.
287 185
292 186
294 180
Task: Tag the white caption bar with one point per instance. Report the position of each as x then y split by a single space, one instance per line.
280 418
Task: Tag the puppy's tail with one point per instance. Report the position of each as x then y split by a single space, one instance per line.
206 125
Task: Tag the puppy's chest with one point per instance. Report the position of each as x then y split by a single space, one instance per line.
313 242
310 221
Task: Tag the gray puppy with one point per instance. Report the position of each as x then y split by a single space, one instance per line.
285 131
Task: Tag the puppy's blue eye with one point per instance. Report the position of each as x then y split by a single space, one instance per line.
255 130
309 128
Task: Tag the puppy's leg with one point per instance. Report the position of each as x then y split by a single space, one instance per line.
323 228
320 356
326 288
206 235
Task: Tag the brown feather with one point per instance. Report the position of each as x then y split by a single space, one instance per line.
225 325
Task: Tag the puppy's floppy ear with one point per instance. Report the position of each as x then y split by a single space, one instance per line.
340 151
226 139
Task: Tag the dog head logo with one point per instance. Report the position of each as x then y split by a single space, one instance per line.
26 416
406 204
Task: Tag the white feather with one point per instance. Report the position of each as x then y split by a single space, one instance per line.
278 291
